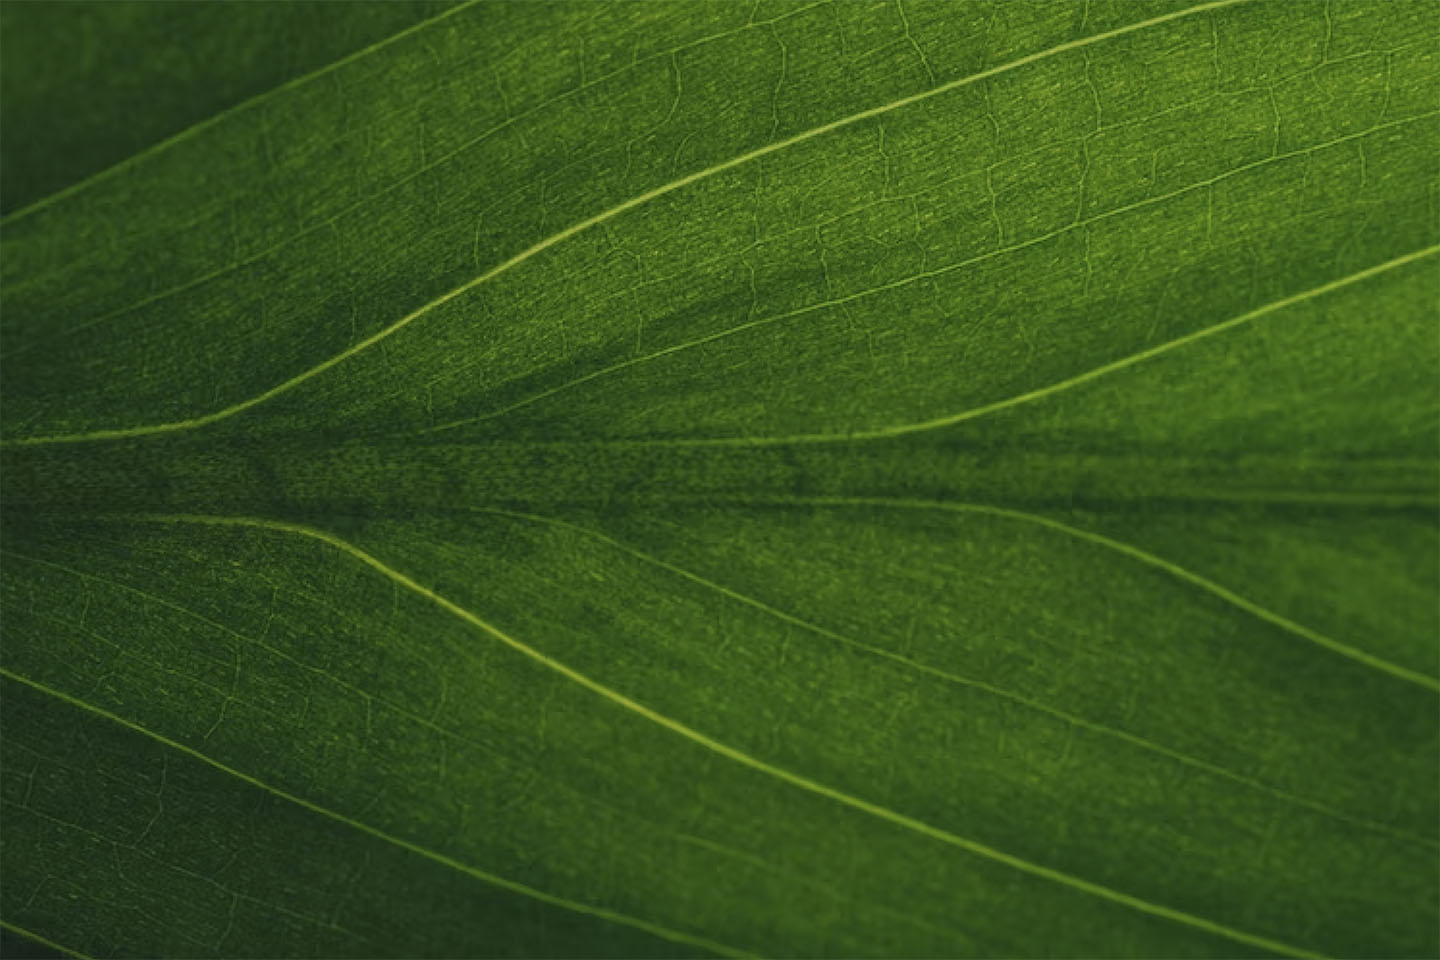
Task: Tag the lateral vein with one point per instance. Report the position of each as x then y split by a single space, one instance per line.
761 322
725 750
44 941
511 885
329 221
1131 738
605 215
1135 553
244 105
1060 386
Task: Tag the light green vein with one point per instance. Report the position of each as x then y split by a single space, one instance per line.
725 750
1105 370
251 642
675 936
581 226
1100 728
198 128
1060 386
1135 553
32 935
168 865
475 744
989 255
430 165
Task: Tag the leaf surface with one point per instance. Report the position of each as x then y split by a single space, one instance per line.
78 99
929 479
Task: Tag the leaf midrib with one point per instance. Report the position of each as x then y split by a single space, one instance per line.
792 439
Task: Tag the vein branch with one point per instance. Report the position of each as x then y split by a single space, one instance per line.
511 885
1135 553
609 214
782 774
1023 516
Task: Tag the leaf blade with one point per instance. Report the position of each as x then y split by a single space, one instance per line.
771 484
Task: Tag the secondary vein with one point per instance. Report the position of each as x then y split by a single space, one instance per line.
457 736
208 122
738 756
947 676
45 941
1060 386
609 214
760 322
1135 553
511 885
431 164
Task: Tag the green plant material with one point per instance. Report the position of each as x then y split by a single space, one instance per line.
88 84
796 479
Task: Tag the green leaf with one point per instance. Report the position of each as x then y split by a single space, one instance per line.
801 479
78 99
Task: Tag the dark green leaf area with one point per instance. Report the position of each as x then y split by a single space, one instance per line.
85 84
141 824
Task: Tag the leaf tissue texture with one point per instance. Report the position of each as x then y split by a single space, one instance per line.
77 97
803 479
